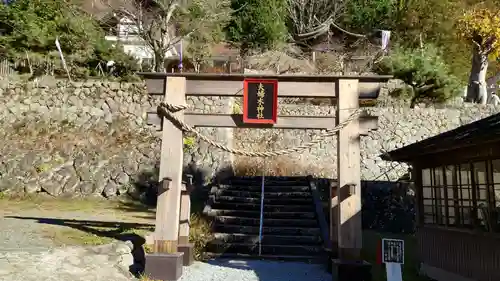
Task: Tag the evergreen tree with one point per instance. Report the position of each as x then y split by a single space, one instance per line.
30 28
257 24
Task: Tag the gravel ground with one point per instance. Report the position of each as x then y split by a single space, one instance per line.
25 255
21 234
254 270
24 235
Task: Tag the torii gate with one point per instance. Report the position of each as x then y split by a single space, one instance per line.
172 229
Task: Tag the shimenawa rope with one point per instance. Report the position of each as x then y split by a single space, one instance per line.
168 110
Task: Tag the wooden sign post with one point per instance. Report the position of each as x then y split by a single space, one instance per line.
393 252
260 101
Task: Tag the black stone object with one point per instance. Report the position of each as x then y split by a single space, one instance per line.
346 270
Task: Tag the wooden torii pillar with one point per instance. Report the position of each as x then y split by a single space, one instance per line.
345 205
184 245
166 261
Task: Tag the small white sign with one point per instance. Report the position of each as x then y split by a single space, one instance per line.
393 255
393 271
393 251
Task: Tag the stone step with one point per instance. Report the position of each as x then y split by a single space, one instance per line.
256 194
267 181
267 221
253 249
256 214
266 230
271 201
267 188
267 207
267 239
235 256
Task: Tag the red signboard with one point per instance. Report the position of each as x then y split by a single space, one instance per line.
260 101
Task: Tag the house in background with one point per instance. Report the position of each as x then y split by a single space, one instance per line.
123 30
223 59
457 182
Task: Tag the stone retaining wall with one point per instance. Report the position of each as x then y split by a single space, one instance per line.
92 138
398 127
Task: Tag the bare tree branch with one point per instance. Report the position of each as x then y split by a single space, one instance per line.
158 22
314 18
348 32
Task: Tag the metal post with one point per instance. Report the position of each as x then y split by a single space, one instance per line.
261 210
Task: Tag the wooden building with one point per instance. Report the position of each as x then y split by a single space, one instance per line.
457 180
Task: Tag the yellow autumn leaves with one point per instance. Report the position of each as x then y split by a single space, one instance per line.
482 26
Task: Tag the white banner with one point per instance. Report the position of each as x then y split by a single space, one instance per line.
58 45
386 36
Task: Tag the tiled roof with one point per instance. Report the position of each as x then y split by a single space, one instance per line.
224 50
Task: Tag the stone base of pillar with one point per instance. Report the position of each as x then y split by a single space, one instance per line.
348 270
160 266
332 254
188 250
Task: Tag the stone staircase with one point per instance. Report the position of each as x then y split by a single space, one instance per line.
290 230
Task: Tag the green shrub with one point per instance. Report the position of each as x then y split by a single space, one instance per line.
189 143
31 27
429 78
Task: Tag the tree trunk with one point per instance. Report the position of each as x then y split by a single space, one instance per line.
477 89
159 61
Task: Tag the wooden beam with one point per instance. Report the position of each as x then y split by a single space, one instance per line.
369 90
231 85
156 86
416 175
349 169
168 205
235 88
367 123
281 77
